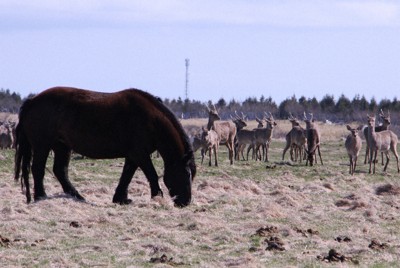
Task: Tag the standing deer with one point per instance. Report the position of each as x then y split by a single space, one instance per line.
313 140
353 145
385 126
244 137
240 138
226 131
252 144
6 138
260 122
210 138
263 137
383 141
198 143
240 124
295 139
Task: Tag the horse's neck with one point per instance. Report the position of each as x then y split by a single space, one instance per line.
172 149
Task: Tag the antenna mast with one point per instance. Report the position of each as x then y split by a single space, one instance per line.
187 78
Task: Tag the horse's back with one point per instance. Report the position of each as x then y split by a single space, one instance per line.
91 123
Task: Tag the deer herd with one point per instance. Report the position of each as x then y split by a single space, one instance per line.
303 143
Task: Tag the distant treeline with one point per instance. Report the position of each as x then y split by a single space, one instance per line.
328 108
9 102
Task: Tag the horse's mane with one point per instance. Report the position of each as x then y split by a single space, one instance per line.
170 115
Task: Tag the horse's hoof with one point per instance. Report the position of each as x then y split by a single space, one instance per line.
159 193
40 197
78 196
123 201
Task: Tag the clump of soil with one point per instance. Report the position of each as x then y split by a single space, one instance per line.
334 256
342 238
75 224
4 241
388 189
307 232
376 245
266 230
274 243
166 260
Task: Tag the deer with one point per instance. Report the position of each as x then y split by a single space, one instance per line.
385 126
251 145
295 139
6 137
263 137
244 137
313 140
353 145
383 141
240 124
260 122
211 140
226 131
198 143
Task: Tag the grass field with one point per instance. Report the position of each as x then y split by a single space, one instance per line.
251 214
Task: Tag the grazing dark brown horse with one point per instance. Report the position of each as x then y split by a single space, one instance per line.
130 124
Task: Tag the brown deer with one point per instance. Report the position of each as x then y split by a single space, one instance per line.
226 131
353 145
211 140
313 140
383 141
252 145
385 126
244 137
260 122
295 139
240 124
263 137
198 143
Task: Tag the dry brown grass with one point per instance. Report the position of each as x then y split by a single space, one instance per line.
245 215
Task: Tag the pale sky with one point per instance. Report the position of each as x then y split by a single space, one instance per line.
237 49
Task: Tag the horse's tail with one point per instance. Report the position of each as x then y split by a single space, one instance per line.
23 154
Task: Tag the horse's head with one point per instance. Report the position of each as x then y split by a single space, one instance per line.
178 178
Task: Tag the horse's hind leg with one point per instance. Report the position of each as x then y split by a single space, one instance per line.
121 193
38 167
62 156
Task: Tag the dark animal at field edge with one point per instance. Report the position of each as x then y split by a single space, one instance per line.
313 141
128 124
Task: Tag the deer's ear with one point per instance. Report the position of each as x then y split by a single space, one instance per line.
348 127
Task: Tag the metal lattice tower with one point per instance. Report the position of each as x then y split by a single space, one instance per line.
187 78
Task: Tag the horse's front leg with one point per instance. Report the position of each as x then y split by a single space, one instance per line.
121 193
151 174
